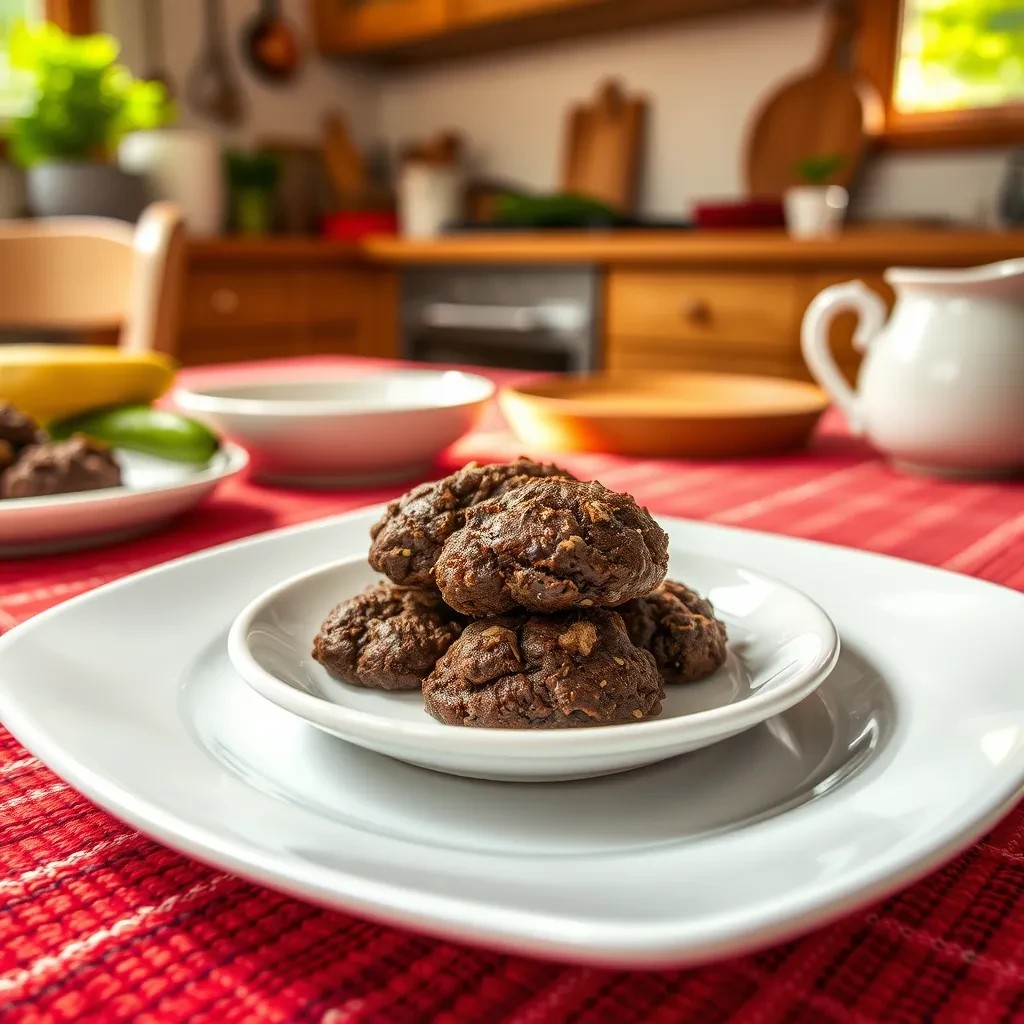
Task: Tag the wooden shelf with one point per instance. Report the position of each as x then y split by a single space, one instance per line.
260 250
876 247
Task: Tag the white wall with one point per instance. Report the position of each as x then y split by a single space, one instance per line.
704 77
294 111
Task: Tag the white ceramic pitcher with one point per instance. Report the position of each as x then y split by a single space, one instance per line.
941 389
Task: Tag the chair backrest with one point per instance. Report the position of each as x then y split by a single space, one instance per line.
93 274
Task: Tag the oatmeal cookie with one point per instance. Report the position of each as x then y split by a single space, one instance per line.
60 467
551 672
679 628
411 533
550 545
387 637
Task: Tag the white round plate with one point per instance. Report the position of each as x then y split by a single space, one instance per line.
910 749
155 491
782 645
343 431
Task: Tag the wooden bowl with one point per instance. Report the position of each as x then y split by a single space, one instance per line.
665 415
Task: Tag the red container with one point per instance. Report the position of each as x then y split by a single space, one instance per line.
352 225
744 213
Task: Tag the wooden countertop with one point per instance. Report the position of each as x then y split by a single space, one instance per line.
882 247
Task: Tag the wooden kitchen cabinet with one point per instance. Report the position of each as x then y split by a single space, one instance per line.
264 300
408 31
353 26
472 11
736 322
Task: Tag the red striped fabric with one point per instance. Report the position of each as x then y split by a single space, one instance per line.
98 923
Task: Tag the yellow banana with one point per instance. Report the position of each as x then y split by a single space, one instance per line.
52 382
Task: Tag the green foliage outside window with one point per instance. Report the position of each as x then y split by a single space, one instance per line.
958 54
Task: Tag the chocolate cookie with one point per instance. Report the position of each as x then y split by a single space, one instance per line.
551 545
679 628
553 672
387 637
409 536
17 429
60 467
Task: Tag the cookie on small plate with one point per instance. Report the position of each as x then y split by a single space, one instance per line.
679 628
414 528
551 545
387 637
553 672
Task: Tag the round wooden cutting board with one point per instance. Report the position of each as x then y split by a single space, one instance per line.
827 111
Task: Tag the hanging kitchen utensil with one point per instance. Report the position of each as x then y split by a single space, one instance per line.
603 147
155 66
270 44
211 88
827 111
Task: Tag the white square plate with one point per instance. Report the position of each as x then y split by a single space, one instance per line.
911 748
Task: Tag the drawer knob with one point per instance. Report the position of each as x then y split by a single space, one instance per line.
224 301
697 311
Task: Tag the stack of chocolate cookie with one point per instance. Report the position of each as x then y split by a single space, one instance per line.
522 598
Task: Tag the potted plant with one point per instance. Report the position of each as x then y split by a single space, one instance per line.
252 180
84 101
816 208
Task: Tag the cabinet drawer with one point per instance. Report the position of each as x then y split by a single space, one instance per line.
245 298
199 347
708 309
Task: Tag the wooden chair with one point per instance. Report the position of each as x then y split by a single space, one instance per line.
91 275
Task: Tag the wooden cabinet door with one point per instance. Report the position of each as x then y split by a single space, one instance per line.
351 26
495 10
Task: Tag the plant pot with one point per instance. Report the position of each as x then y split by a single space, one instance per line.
815 211
184 166
12 191
60 189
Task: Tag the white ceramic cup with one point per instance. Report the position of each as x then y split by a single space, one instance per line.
429 197
184 166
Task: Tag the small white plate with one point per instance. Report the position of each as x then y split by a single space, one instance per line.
154 492
339 431
781 646
910 750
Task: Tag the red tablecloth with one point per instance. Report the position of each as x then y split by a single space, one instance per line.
99 923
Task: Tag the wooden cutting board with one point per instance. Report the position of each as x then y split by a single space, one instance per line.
344 162
827 111
604 142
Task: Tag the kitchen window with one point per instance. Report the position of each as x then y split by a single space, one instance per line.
15 85
950 72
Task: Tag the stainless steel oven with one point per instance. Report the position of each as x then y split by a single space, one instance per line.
529 318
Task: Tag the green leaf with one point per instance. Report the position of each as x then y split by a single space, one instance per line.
84 100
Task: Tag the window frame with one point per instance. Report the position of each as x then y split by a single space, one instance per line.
76 17
879 26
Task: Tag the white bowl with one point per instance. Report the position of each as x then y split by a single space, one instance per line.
343 431
781 647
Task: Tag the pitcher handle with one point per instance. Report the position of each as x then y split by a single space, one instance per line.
814 340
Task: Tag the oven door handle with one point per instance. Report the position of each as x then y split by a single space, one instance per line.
460 316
